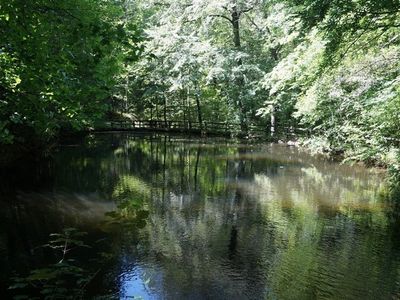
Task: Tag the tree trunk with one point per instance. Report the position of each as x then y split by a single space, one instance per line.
126 92
165 112
236 27
273 121
184 112
199 114
239 79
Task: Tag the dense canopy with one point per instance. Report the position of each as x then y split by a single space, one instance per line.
330 68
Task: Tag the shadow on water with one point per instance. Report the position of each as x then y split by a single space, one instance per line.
188 218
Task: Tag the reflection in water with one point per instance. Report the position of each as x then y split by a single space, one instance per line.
135 284
222 220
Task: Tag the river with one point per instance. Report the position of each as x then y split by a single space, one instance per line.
189 218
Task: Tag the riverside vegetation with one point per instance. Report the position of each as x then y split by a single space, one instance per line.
331 67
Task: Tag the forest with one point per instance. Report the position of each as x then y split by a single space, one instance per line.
90 210
330 68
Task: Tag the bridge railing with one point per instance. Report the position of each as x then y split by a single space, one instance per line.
183 125
223 128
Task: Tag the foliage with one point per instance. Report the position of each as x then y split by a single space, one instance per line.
344 23
59 63
62 280
342 78
198 67
330 67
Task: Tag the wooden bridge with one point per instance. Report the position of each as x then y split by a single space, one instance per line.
205 128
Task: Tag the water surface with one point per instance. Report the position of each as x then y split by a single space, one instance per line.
217 219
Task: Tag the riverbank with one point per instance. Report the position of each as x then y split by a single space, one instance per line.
36 149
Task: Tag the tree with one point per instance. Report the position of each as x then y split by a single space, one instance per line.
68 55
214 50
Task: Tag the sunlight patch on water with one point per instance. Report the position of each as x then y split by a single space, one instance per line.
136 284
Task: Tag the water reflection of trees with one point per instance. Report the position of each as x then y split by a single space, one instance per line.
319 223
227 221
232 221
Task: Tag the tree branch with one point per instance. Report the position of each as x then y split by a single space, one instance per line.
256 26
246 10
57 10
222 16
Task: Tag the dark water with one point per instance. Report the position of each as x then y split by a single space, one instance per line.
207 219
